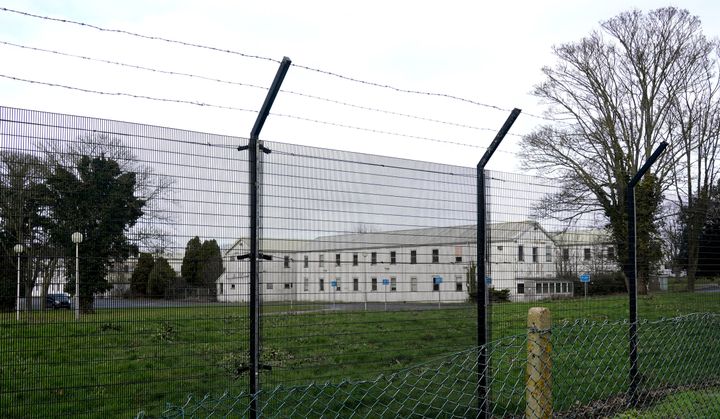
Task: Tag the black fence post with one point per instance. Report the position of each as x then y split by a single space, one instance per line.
253 147
631 272
483 326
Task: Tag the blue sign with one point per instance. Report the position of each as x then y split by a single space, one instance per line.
333 283
585 278
437 279
386 281
488 280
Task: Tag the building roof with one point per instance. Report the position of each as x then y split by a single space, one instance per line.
430 236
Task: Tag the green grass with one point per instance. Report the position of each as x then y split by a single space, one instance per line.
694 403
115 363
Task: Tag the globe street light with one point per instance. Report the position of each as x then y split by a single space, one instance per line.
77 238
18 250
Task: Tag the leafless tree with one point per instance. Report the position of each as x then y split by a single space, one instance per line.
611 99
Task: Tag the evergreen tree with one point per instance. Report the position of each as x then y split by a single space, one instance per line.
98 200
211 263
141 273
160 277
190 269
8 273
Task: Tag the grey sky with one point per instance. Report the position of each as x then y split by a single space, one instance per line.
490 52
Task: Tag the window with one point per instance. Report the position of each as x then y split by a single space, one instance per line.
373 284
413 257
269 285
521 254
221 287
413 284
458 286
322 284
458 254
393 258
538 288
287 285
458 259
535 255
586 253
546 288
521 288
355 259
548 253
306 262
306 285
373 258
436 286
338 286
337 259
611 252
552 288
435 256
566 254
321 261
570 287
232 286
393 284
286 261
500 248
356 284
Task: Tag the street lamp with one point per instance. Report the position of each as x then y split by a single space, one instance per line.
77 238
18 250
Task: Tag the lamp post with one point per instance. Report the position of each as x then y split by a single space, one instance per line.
18 250
77 238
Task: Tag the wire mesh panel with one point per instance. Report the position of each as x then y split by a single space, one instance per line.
153 208
543 252
366 267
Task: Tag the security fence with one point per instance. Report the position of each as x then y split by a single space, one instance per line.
354 292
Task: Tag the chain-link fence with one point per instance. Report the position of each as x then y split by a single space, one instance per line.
366 284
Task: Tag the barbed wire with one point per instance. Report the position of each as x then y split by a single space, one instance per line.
139 35
259 57
235 108
125 94
242 84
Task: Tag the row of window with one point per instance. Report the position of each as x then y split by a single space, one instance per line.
587 253
374 283
435 258
548 288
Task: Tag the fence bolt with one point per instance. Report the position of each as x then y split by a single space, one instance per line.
538 392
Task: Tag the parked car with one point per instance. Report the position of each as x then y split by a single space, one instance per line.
57 301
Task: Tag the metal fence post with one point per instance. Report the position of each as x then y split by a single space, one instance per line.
253 147
483 326
631 272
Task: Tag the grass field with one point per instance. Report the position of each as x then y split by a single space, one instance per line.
117 362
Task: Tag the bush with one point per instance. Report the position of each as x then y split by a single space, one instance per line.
605 283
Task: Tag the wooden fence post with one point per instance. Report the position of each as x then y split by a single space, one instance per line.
538 391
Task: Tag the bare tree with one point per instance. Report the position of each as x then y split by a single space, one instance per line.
695 123
611 100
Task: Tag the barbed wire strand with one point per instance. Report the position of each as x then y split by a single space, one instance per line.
259 57
237 83
234 108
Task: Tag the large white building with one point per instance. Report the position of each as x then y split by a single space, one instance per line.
418 265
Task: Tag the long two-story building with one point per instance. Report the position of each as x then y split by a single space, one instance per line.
414 265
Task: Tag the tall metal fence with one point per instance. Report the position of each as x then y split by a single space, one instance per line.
365 277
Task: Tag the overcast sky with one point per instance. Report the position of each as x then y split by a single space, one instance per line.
488 52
